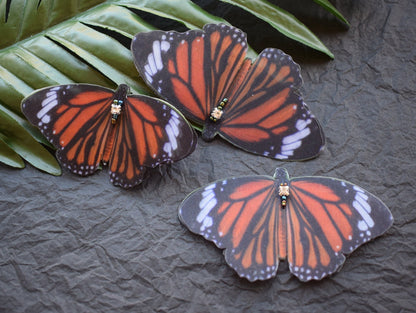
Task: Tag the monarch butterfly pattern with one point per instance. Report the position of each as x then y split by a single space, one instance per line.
254 105
90 125
313 222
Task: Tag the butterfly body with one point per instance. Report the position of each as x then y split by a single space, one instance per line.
198 69
119 97
319 221
90 125
116 108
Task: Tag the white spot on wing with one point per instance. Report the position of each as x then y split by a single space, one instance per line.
280 156
165 45
154 59
46 119
205 200
48 104
363 208
366 217
157 55
291 147
298 136
151 63
362 199
206 192
207 222
172 138
212 186
206 205
167 147
174 124
293 141
147 73
172 130
362 225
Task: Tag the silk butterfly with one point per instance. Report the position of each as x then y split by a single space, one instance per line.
312 222
90 125
254 105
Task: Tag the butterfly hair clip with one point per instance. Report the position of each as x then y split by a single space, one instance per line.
91 125
255 105
312 222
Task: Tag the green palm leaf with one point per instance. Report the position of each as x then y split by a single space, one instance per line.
283 21
330 8
9 157
15 140
48 42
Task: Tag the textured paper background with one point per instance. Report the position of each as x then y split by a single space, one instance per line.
72 244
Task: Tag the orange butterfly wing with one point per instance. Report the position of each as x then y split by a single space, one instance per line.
328 218
197 70
266 115
191 70
75 119
241 216
151 132
323 220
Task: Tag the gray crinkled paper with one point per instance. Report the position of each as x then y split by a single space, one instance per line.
73 244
